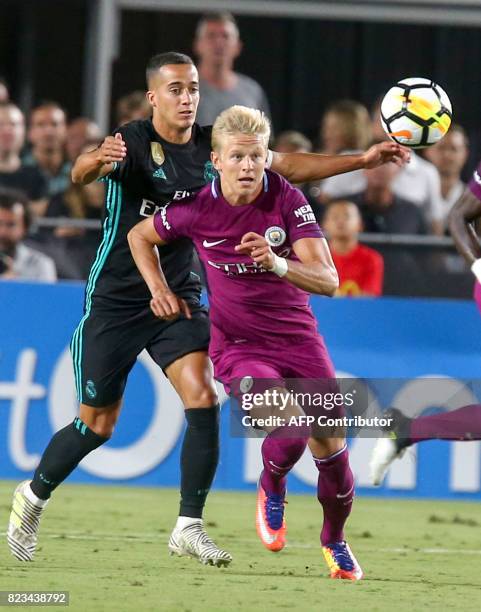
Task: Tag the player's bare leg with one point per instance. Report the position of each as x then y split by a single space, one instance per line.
66 449
191 377
335 491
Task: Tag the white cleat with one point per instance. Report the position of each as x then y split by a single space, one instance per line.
24 523
383 454
193 541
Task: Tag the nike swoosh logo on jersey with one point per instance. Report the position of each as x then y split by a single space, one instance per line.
477 178
208 244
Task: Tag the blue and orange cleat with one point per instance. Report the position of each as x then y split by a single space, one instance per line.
341 562
270 523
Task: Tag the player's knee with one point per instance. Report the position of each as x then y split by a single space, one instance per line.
100 420
201 396
105 430
324 447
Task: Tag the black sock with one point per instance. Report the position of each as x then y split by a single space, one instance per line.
199 458
65 451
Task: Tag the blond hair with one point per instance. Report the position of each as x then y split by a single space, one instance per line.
240 120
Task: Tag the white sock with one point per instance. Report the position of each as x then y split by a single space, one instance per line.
185 521
30 495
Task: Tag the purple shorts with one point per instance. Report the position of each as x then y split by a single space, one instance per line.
235 360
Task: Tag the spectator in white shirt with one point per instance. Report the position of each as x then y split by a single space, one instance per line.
418 181
17 260
345 127
449 156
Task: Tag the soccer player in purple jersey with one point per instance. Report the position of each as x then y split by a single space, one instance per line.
263 253
463 424
147 163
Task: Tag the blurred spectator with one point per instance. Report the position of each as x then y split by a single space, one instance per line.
17 260
12 174
378 133
217 44
292 142
47 135
418 182
73 248
4 93
80 131
345 127
384 211
360 268
295 142
131 107
449 156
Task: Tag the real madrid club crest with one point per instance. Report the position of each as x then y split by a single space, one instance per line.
157 153
275 236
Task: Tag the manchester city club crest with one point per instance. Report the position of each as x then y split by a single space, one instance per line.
246 384
157 153
275 236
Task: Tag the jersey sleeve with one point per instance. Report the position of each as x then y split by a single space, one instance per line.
474 184
298 215
175 220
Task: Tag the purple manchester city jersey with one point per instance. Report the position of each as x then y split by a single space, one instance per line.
475 183
246 301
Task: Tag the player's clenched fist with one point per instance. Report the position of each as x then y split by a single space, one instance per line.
257 247
113 149
384 152
166 305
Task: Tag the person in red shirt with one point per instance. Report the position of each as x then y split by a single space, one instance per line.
360 268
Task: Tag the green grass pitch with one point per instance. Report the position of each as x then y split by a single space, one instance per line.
107 547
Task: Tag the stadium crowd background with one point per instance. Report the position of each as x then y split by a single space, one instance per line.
322 95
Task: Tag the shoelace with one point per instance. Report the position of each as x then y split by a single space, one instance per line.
274 510
341 555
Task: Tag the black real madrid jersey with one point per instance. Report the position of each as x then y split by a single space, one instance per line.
153 173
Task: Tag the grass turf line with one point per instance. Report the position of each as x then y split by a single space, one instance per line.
107 546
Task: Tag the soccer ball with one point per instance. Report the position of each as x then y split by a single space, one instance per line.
416 113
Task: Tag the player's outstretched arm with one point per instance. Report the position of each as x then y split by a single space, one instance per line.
143 238
463 213
95 164
315 272
304 167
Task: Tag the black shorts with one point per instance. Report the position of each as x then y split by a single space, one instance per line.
105 346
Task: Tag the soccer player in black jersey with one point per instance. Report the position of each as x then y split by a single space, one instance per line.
146 164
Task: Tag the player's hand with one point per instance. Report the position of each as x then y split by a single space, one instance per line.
385 152
113 149
257 247
166 305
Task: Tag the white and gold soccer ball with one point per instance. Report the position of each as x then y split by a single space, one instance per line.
416 113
